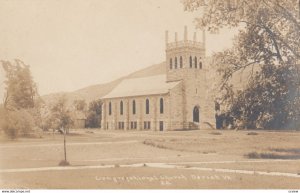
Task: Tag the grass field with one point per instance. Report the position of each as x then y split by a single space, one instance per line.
145 159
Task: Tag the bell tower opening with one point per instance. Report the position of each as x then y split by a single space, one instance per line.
183 56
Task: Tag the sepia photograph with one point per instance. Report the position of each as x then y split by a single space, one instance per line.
149 95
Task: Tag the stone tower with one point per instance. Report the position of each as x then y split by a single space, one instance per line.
185 61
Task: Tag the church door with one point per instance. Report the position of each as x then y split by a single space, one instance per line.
196 114
161 125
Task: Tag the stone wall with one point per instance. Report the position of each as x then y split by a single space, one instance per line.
128 119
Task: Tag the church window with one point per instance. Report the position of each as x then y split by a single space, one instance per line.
180 61
121 108
200 65
191 62
133 107
195 60
161 105
175 62
171 63
147 106
109 108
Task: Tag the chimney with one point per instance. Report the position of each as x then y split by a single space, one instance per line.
185 33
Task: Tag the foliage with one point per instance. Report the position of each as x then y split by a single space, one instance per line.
269 41
20 112
94 114
19 122
270 100
20 87
80 105
60 115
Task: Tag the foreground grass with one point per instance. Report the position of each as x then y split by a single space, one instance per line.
258 145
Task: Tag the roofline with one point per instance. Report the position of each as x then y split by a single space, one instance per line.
136 96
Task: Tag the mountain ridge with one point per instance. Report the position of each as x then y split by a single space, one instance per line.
94 92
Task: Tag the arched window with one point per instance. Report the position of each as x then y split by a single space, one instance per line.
133 107
121 108
109 108
196 63
147 106
175 62
161 105
171 63
191 62
200 65
180 61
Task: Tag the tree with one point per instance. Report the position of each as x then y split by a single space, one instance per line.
21 90
269 38
62 118
19 107
94 114
80 105
61 115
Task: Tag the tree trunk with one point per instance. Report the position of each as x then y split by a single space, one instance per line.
65 150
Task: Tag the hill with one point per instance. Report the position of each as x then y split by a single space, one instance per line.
94 92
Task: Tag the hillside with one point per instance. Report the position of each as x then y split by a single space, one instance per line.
97 91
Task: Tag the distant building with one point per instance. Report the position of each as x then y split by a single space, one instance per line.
79 119
174 101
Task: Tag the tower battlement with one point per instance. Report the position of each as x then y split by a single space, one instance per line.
185 43
188 43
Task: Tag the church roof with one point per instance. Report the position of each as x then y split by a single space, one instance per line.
150 85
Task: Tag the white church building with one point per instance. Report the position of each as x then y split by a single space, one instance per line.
177 100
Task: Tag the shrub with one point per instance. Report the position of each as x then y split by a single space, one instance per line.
252 133
17 123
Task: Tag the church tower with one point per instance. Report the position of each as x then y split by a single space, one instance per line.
184 56
185 61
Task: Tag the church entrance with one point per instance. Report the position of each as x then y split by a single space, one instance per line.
161 125
196 114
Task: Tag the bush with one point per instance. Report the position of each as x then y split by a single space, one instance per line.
17 123
252 133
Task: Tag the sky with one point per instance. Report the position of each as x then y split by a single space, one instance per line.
71 44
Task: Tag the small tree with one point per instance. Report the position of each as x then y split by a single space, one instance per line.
61 115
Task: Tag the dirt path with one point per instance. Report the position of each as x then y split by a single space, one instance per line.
68 144
157 165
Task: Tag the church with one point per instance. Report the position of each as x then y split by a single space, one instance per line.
177 100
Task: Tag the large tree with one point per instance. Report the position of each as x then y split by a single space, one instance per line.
20 88
269 41
20 107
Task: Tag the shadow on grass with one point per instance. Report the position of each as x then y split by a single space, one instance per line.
276 154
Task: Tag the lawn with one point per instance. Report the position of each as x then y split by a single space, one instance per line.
220 159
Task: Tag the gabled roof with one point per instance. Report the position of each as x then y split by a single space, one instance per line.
150 85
